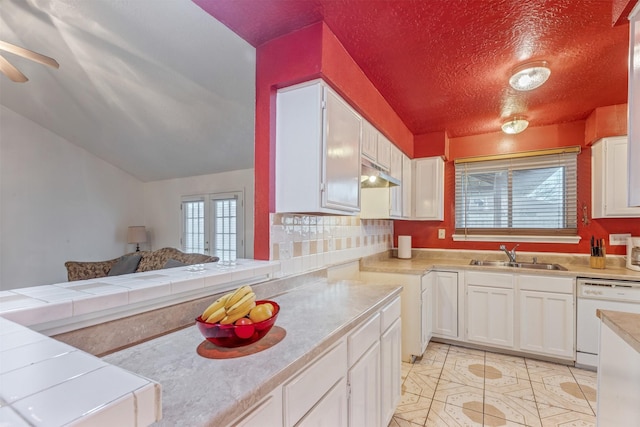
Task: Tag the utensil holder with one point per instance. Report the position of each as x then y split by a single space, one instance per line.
598 261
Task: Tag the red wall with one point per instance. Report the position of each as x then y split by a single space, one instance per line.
303 55
425 233
314 52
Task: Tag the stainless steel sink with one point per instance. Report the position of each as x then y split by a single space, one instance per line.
533 265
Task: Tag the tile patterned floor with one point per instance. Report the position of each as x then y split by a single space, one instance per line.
453 386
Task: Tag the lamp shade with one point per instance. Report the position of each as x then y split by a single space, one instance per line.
136 234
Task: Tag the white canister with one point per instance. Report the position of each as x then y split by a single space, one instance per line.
404 247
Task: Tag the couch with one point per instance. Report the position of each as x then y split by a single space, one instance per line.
134 262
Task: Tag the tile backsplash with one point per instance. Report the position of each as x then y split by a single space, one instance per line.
306 242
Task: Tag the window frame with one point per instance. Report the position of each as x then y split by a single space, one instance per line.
539 235
209 220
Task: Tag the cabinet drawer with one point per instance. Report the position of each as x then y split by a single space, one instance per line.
561 285
495 280
389 314
361 339
303 391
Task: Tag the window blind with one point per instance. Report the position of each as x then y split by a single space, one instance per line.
225 212
534 195
193 223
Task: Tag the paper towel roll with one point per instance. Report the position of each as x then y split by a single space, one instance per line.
404 247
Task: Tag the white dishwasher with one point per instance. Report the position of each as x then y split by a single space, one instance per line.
604 294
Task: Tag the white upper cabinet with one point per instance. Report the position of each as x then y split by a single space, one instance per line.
369 140
428 186
317 151
634 108
407 186
609 179
384 151
396 163
396 193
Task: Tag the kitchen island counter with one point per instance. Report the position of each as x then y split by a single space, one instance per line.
200 391
625 325
619 369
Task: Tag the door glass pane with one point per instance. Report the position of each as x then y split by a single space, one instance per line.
193 236
225 231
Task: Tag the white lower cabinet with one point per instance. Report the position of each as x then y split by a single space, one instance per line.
306 389
364 389
445 304
331 410
414 312
490 301
391 372
547 319
525 312
490 316
426 312
356 382
267 413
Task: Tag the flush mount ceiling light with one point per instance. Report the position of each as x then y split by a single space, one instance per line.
514 125
530 75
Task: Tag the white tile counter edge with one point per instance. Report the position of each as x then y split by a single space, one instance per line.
46 382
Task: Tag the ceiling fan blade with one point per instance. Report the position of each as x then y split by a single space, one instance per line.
29 54
12 72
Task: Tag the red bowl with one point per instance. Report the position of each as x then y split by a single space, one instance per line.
237 335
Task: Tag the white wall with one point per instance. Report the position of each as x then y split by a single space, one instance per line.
162 204
58 202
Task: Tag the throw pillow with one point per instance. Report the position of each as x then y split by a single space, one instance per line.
125 265
172 263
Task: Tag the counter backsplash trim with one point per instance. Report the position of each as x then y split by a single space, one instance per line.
307 242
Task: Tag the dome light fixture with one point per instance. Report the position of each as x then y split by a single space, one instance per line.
514 125
530 75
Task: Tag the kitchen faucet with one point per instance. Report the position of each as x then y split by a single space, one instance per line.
511 254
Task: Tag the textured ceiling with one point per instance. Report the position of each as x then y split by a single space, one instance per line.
157 88
444 64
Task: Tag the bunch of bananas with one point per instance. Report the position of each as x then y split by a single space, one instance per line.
231 307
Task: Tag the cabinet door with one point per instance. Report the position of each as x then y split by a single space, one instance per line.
369 140
445 304
428 184
267 413
634 108
611 156
547 323
395 169
331 410
364 389
426 311
395 210
490 315
341 180
384 151
390 371
407 186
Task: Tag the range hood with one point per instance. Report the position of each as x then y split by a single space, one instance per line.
374 176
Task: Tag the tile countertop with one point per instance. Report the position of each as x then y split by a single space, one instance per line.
626 325
425 260
57 308
44 382
199 391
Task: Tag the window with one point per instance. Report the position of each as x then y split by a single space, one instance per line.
217 219
534 195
